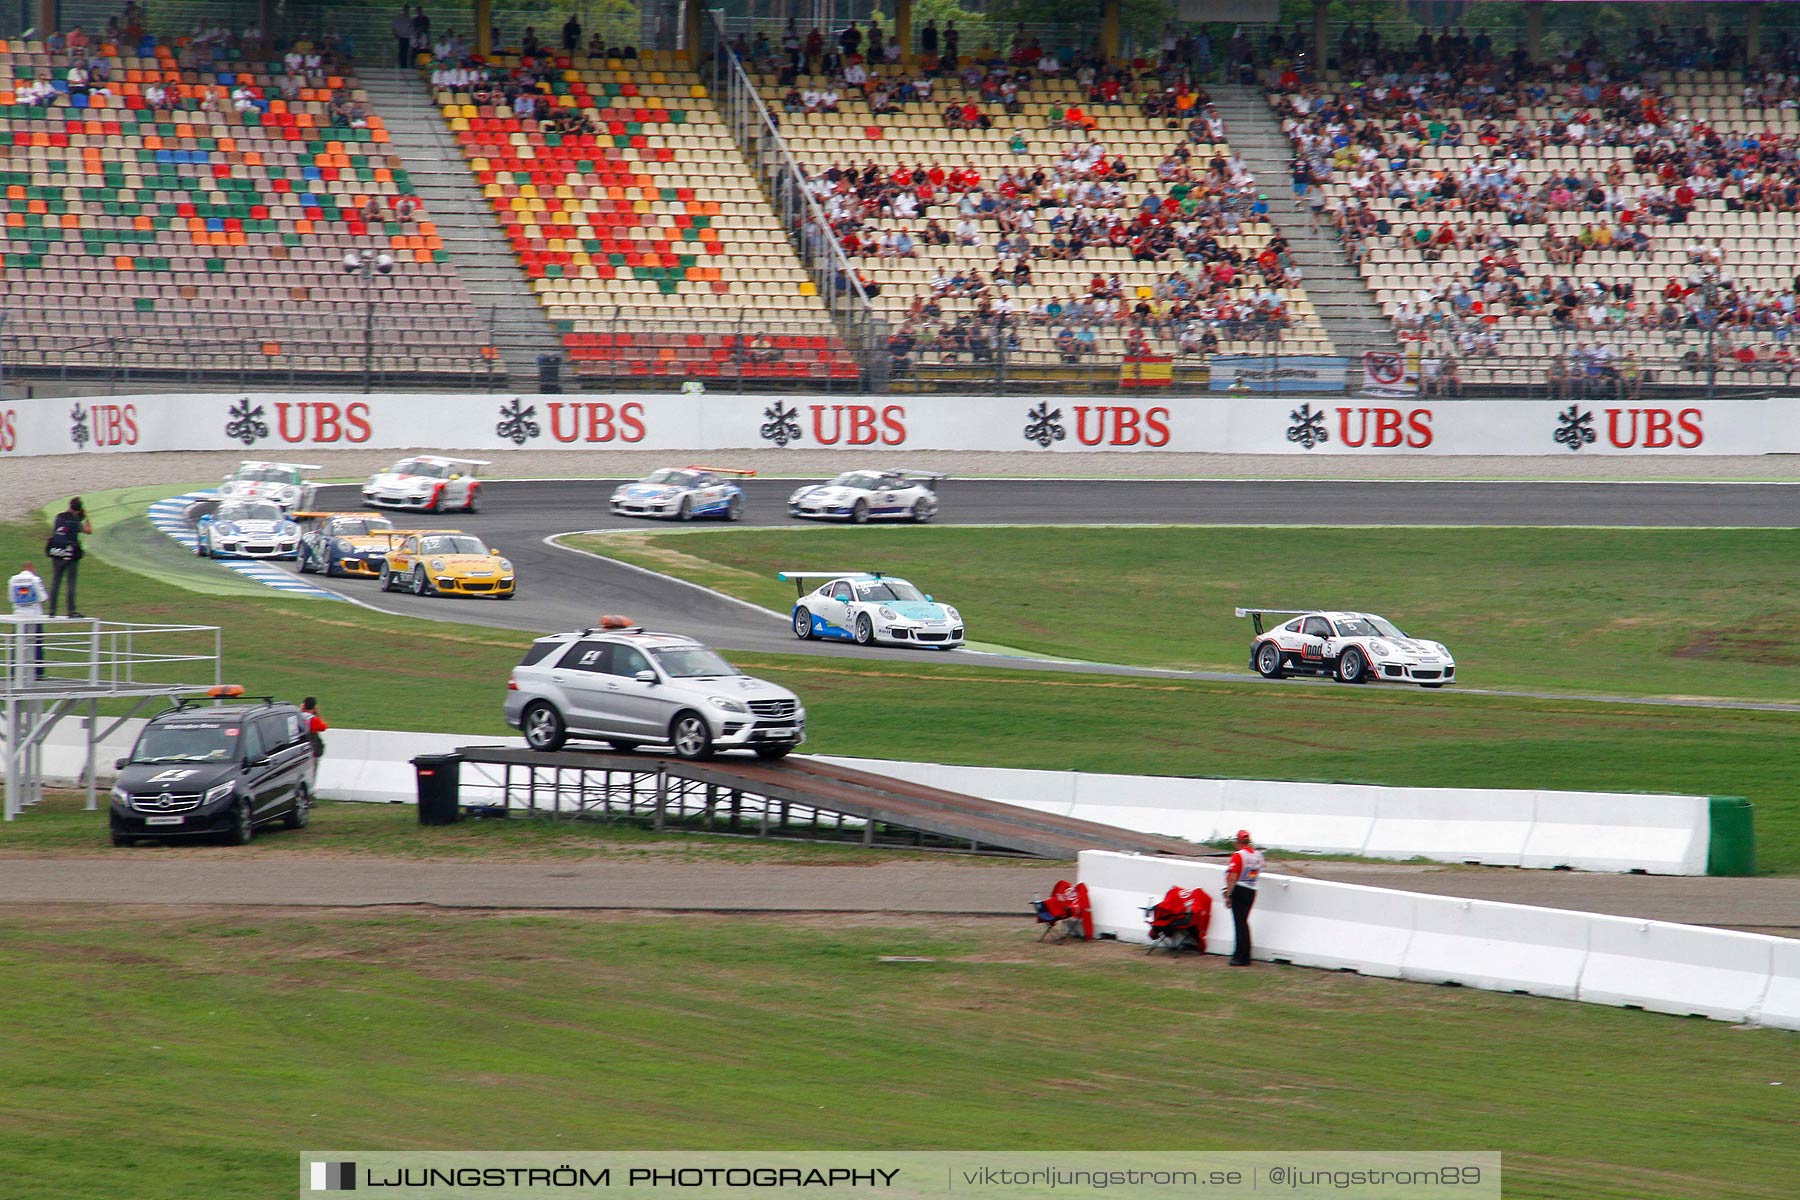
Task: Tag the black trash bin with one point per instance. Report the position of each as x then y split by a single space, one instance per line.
550 374
440 780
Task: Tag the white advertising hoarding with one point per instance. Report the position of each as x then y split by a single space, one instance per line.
262 424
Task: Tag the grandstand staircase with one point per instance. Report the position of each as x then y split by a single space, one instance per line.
1346 307
477 245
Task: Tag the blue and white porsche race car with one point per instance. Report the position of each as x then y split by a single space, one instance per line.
682 494
246 529
859 496
869 608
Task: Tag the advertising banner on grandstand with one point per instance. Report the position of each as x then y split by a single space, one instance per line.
271 425
1389 374
1239 373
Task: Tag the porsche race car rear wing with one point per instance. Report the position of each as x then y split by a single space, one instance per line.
1257 614
253 464
799 578
739 472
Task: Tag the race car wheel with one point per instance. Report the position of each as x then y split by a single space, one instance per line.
859 515
690 736
1352 668
303 562
734 509
300 815
200 547
474 504
923 511
686 512
421 586
1268 661
771 753
802 624
387 578
865 631
437 500
543 727
243 825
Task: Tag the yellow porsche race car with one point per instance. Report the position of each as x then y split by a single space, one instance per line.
338 543
446 562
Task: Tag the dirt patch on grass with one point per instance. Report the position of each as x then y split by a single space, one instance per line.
1765 644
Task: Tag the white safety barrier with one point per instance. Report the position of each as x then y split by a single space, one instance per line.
1655 965
272 423
1665 835
1589 831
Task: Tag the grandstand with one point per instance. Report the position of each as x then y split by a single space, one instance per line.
770 210
645 236
165 216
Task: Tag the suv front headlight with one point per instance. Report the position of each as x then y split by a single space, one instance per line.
224 790
121 795
727 703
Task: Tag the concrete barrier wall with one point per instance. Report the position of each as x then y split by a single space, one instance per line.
1591 831
1655 965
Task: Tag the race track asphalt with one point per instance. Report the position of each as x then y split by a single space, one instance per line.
562 589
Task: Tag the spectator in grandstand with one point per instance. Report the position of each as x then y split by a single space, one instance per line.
571 34
403 39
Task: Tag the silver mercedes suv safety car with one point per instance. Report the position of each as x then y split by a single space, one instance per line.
631 687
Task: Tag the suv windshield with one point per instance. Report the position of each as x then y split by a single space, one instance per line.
189 742
259 511
452 545
691 662
673 477
1367 627
888 589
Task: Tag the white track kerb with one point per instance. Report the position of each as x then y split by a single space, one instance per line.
1656 965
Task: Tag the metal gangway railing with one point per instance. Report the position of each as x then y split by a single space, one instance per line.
57 667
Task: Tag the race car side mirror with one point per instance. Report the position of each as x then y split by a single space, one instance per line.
928 597
842 597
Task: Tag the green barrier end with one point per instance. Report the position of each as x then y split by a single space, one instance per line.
1731 848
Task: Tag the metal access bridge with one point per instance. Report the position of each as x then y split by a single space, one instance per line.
795 798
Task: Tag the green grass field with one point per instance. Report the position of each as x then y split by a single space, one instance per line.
1620 612
163 1056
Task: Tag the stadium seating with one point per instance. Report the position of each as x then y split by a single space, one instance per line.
915 133
1729 253
647 239
212 232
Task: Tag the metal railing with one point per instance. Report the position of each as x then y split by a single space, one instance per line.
758 134
50 657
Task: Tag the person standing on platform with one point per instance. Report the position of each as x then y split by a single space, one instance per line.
26 590
1240 894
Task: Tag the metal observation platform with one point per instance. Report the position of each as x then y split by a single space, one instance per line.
57 667
794 798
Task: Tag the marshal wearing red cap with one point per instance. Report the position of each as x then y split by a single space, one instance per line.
1240 894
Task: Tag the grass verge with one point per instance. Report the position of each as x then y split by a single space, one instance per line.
174 1054
1663 612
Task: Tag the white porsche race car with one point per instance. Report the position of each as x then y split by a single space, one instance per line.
247 529
1354 647
682 494
282 482
869 608
429 483
860 496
